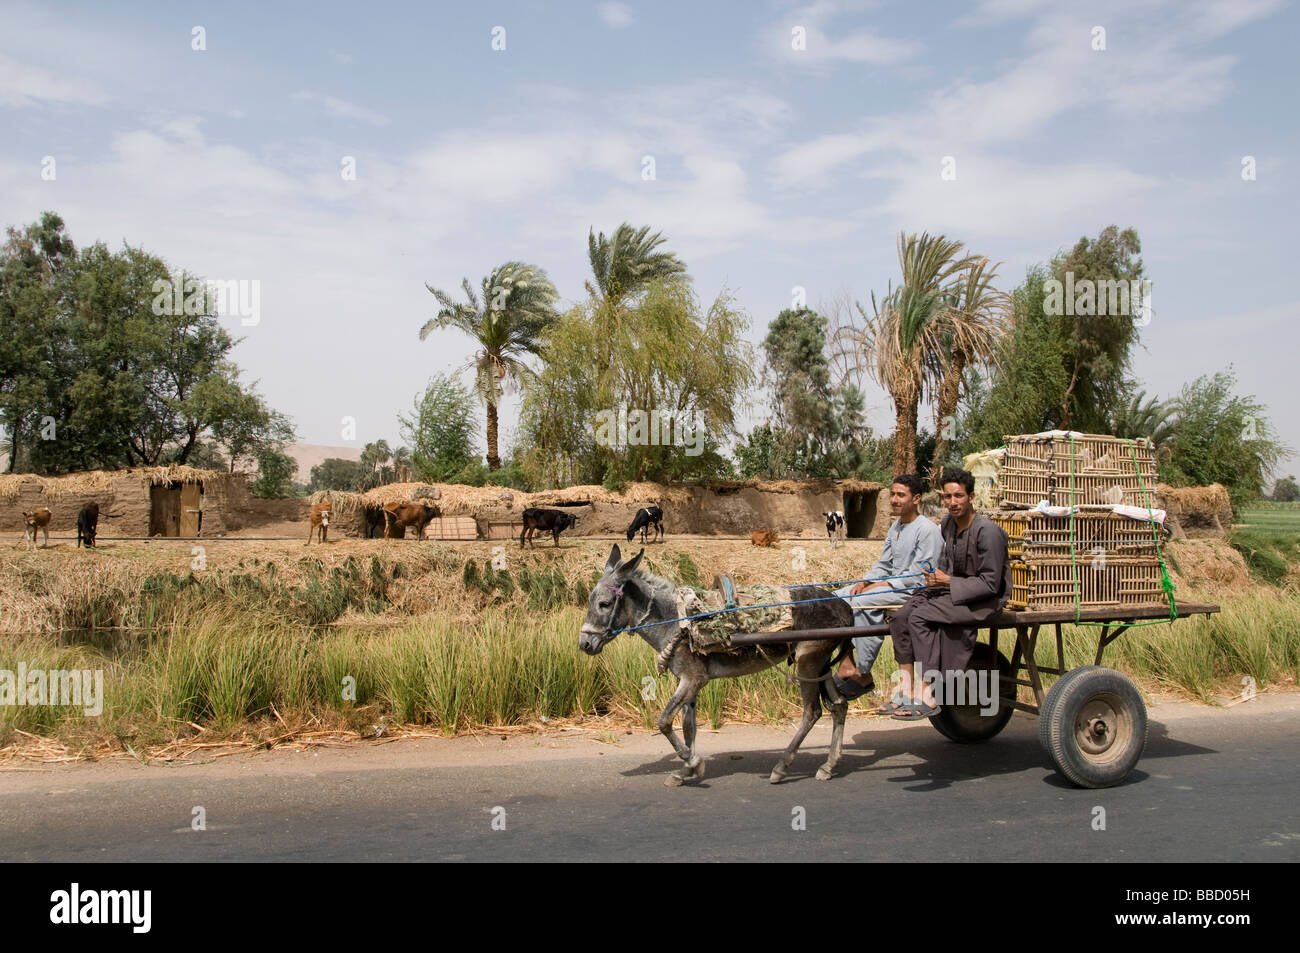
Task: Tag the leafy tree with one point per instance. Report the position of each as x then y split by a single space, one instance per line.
1222 437
333 473
440 432
1023 394
34 267
758 455
803 403
99 368
516 307
1068 371
664 357
249 429
206 455
1097 346
815 426
275 470
1286 490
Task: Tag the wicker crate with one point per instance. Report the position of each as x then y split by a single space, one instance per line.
1090 469
1025 488
1089 453
1112 581
1034 535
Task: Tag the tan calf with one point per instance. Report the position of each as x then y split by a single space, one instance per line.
320 520
38 518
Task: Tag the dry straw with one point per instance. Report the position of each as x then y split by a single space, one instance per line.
100 481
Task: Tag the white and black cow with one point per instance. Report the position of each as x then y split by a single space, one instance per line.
646 517
835 527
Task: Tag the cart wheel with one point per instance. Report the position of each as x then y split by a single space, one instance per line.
1094 726
964 723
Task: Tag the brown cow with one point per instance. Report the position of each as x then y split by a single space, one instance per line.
764 537
320 520
398 516
38 518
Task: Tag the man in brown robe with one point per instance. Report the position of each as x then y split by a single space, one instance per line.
971 584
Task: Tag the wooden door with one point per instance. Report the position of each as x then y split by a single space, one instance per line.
190 497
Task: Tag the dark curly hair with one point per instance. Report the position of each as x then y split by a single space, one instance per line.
956 475
912 482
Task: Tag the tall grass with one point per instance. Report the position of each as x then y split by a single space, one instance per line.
225 667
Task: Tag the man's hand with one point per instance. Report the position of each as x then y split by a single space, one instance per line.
937 578
861 587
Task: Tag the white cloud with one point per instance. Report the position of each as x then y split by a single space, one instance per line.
824 42
616 15
342 108
22 85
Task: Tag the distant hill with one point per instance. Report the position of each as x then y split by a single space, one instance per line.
308 455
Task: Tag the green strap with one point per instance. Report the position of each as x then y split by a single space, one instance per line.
1166 583
1074 563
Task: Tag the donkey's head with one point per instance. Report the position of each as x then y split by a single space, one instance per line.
620 599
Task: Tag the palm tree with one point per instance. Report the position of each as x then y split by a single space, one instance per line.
517 305
902 346
973 328
1145 416
624 263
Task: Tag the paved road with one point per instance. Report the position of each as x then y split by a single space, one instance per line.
1214 785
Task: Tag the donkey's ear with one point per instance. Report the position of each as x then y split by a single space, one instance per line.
630 567
615 557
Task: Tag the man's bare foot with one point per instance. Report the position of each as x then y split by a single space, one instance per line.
850 671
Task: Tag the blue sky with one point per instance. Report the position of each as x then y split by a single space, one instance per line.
774 167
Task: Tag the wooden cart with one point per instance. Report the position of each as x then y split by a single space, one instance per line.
1092 720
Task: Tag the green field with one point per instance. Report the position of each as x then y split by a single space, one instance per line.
1269 539
1272 519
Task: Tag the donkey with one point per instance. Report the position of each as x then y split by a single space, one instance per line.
628 596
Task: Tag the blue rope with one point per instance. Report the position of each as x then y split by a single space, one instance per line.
769 605
796 585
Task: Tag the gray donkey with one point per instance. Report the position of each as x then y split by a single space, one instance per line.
628 596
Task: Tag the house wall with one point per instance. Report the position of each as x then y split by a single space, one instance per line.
124 507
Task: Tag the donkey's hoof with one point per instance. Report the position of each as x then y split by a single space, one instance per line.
674 780
695 770
825 773
777 775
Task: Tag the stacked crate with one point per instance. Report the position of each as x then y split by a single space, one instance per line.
1091 468
1095 557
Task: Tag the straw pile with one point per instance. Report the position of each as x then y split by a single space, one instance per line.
100 481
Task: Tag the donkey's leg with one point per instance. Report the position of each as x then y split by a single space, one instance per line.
839 710
694 764
810 691
687 689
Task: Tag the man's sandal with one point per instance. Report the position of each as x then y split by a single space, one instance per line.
851 688
891 706
916 712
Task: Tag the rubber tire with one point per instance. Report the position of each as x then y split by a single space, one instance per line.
1050 700
963 723
1063 706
